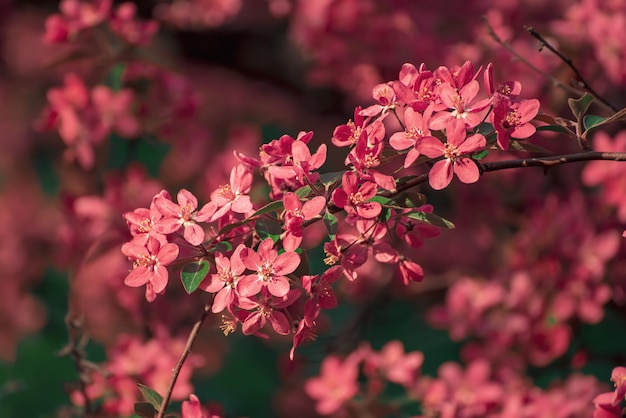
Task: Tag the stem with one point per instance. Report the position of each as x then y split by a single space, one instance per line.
571 65
192 338
555 81
552 160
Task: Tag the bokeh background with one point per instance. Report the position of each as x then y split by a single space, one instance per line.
533 250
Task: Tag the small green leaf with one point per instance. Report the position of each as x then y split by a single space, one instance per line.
270 207
267 228
328 179
115 77
382 200
223 246
331 223
386 214
485 128
303 192
430 218
144 410
579 106
480 155
410 200
591 121
151 396
193 273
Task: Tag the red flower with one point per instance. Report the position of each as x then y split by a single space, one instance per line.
295 214
225 279
265 308
183 214
336 384
456 152
512 120
234 196
149 265
271 269
415 129
354 198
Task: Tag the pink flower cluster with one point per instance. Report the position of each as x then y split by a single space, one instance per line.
357 384
547 287
78 17
84 118
132 360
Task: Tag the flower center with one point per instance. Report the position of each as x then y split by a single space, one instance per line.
265 271
226 191
511 120
145 226
458 103
451 152
356 199
149 261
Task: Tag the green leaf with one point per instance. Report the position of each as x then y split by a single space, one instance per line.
382 200
267 228
144 409
193 273
485 128
328 179
579 106
591 121
480 155
270 207
410 200
303 192
114 80
223 246
331 223
151 396
430 218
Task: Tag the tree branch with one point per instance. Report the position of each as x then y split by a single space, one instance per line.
190 340
570 64
552 160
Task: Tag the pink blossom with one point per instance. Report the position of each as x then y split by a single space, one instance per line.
124 22
415 129
184 215
270 269
224 281
149 265
457 152
463 105
354 198
336 384
266 307
295 214
512 120
234 196
618 377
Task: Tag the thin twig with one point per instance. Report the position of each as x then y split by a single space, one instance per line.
570 89
181 361
512 50
571 65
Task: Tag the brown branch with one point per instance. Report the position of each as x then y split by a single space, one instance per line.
512 50
570 64
552 160
181 361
